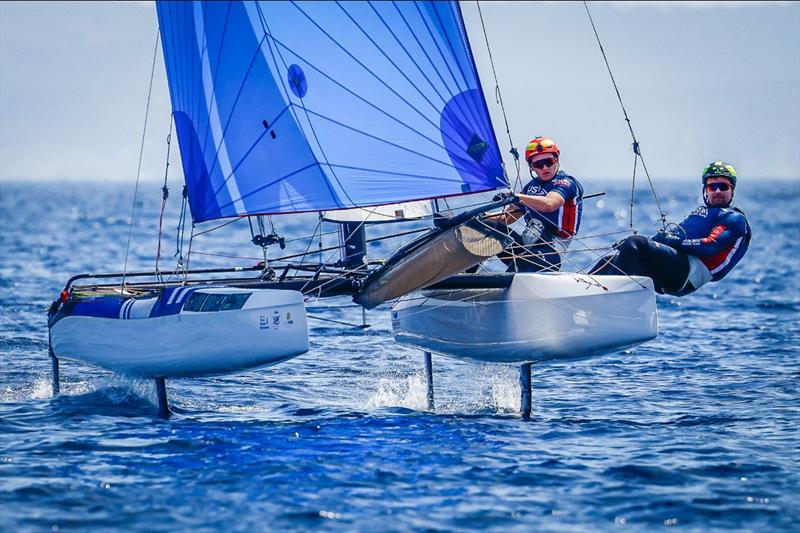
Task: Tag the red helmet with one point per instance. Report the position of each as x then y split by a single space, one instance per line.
541 145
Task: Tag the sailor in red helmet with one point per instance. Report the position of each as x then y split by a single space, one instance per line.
551 204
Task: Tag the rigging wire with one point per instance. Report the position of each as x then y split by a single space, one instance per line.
188 256
164 196
499 98
636 147
318 228
226 223
262 231
321 219
139 166
633 191
180 235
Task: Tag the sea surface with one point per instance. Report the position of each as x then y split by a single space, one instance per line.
695 430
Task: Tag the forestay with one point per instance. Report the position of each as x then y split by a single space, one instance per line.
285 107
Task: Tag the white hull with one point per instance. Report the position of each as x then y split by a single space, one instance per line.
539 317
271 327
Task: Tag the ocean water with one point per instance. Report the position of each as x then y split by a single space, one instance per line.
696 430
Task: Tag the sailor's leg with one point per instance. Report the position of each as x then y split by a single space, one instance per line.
161 395
640 256
525 390
55 381
668 268
429 380
628 260
603 266
509 255
537 257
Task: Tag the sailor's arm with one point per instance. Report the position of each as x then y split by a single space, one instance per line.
721 236
543 204
509 216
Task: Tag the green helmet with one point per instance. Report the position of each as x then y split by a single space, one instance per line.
719 169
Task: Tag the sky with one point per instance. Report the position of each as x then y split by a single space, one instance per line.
701 81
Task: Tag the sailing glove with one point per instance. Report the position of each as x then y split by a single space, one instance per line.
669 239
504 196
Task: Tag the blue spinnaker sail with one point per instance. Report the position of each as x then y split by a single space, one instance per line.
284 107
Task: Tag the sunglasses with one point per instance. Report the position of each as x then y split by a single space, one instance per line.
718 187
544 163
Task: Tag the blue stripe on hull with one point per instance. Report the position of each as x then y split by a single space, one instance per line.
100 307
170 301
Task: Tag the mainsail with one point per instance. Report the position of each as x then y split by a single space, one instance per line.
285 107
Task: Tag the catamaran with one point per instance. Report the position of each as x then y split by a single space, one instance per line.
362 112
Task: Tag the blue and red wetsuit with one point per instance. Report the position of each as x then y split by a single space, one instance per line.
704 247
566 220
718 236
547 235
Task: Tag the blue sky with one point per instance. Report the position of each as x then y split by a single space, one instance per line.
701 81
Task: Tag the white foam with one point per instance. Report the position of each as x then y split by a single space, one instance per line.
409 392
42 389
505 393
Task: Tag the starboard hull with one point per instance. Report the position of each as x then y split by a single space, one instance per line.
538 317
269 328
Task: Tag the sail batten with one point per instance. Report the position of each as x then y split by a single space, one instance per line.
285 107
372 105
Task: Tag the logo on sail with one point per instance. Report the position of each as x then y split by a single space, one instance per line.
297 81
476 148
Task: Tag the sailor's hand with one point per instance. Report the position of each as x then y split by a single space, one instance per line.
665 237
505 196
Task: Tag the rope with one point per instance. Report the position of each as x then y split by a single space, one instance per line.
499 97
633 188
181 233
318 228
636 147
227 223
188 256
139 166
164 196
319 246
229 256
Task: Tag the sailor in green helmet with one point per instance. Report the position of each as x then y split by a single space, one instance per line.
702 248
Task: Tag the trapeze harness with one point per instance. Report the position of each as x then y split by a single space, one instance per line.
702 248
547 235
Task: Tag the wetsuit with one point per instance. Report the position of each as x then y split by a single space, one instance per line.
546 235
702 248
